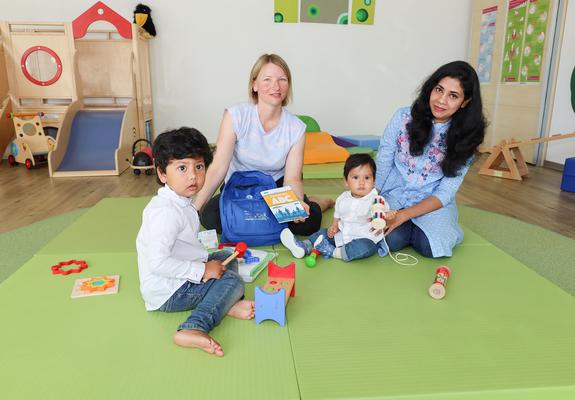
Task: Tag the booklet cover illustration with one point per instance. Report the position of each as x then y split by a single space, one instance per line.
284 204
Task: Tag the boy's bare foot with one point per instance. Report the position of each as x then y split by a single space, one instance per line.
243 309
198 339
324 203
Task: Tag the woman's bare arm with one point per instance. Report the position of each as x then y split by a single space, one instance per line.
217 171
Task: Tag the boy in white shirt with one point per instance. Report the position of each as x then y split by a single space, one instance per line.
176 272
350 235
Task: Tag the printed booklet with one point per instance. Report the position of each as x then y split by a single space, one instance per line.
284 204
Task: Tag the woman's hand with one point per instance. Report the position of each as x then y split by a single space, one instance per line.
293 173
306 208
399 218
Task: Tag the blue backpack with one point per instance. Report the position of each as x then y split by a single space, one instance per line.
244 213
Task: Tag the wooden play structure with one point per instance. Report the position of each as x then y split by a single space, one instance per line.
6 126
508 152
91 85
31 145
271 300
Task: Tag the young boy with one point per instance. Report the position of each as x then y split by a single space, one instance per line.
350 235
176 273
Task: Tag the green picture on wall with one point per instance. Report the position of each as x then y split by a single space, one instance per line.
362 12
534 43
324 11
513 47
285 11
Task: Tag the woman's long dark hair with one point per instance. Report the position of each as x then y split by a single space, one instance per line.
467 127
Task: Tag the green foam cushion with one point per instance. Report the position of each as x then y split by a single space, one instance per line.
361 149
323 171
311 124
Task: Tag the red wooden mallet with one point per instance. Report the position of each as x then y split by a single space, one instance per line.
239 251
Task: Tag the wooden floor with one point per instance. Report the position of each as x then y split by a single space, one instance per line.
29 196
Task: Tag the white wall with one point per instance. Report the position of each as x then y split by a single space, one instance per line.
350 78
563 116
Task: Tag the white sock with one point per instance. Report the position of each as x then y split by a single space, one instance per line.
337 253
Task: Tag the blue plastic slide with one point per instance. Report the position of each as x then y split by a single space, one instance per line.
94 138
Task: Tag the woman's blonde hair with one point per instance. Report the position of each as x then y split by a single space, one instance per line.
263 60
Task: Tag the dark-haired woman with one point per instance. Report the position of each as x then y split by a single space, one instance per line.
423 157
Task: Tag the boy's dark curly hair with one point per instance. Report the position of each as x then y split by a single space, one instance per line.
467 127
178 144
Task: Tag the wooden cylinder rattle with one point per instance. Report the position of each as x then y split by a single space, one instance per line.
378 209
239 251
437 289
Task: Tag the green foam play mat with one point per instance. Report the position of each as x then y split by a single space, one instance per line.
365 329
109 347
110 226
370 330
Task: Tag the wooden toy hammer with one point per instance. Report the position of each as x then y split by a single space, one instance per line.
239 251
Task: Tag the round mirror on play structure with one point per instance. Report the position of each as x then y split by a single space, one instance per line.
41 65
29 129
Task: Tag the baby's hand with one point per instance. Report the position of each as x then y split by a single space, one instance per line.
214 270
332 231
375 232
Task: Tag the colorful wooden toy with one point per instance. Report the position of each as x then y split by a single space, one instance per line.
437 289
311 260
239 251
378 210
271 300
96 286
57 269
31 145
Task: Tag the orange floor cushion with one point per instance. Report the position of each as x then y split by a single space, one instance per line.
320 149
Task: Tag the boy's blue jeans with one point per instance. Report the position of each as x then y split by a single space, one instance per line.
409 234
357 248
210 300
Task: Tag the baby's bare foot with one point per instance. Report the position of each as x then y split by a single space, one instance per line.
243 309
198 339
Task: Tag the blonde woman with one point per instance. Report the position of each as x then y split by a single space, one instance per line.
262 135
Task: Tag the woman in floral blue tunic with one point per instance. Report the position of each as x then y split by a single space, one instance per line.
423 157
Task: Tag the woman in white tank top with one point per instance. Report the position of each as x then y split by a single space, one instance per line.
264 136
